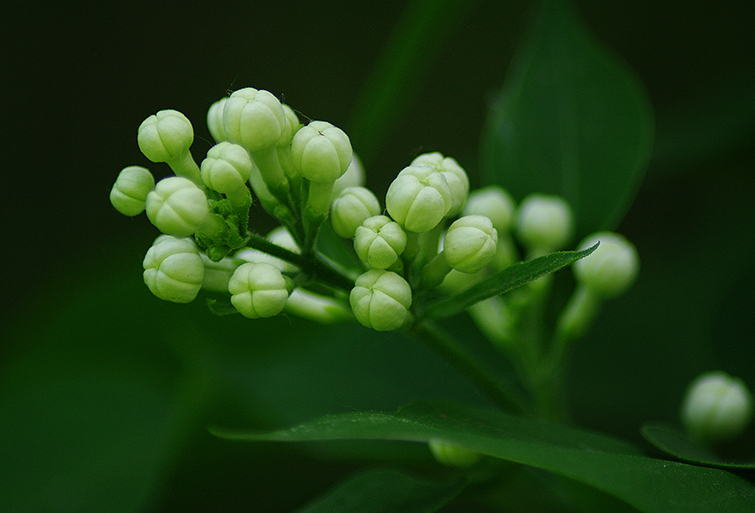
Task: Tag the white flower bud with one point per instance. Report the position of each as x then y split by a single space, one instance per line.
254 119
717 407
173 269
129 192
611 269
379 241
351 208
215 121
177 207
226 169
453 455
167 137
381 300
494 203
544 223
418 198
470 243
321 152
258 290
458 181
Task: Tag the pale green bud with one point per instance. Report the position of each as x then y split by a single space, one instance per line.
165 136
458 181
226 168
379 241
292 126
254 119
470 243
544 223
177 207
381 300
611 269
129 192
418 198
321 152
351 208
494 203
452 455
717 407
353 177
173 269
215 121
258 290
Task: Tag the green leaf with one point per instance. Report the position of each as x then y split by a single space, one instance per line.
610 465
504 281
673 441
381 490
572 119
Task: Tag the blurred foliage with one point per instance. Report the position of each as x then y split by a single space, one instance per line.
107 392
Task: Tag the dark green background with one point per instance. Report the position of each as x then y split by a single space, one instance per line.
106 390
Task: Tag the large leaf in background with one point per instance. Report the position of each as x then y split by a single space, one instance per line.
612 466
572 120
387 490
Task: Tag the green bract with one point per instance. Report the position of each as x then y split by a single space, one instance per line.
458 181
470 243
611 269
381 300
321 152
173 269
129 192
494 203
418 198
544 223
717 407
226 168
379 242
254 119
177 207
258 290
349 210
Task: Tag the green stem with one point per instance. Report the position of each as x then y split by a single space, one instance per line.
470 365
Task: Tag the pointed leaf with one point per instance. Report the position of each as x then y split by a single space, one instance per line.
612 466
572 120
504 281
673 441
387 490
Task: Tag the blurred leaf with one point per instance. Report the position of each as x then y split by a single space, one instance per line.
608 464
571 120
510 278
673 441
387 490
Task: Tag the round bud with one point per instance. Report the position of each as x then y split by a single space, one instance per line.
418 198
173 269
177 207
544 223
351 208
452 455
258 290
215 120
470 243
611 269
458 181
717 407
379 242
321 152
381 300
226 168
494 203
129 192
165 136
254 119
